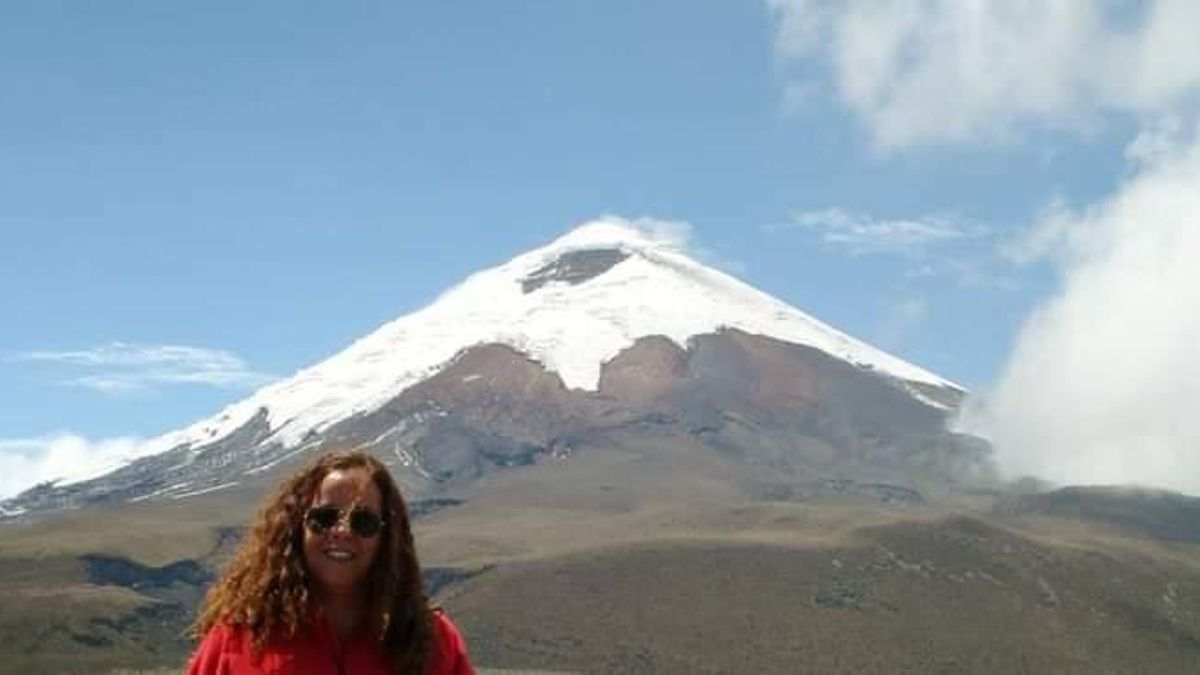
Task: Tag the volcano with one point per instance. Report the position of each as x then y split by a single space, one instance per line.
604 328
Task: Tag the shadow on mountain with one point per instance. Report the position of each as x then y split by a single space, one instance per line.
1158 514
952 595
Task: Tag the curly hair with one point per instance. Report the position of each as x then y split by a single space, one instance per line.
266 587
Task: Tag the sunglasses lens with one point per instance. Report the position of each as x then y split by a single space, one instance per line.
365 523
323 518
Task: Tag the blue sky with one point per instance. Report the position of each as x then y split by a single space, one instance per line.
195 199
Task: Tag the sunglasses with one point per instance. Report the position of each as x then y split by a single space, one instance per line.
364 523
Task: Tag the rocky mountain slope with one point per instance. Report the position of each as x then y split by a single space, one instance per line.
604 326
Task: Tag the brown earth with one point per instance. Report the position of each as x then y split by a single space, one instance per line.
663 559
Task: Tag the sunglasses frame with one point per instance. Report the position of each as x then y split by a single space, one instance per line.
346 516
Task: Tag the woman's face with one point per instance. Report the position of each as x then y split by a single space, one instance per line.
337 558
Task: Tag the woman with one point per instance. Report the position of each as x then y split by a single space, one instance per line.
328 582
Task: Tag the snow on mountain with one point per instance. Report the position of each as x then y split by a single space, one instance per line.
571 305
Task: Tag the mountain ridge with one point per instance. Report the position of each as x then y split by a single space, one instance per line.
572 306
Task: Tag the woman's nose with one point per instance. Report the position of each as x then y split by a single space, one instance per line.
342 526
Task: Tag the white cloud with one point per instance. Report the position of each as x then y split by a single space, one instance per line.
860 234
121 367
1052 236
1156 141
681 235
900 320
677 233
25 462
937 246
1103 385
946 71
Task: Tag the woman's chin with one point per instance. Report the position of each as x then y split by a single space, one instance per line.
339 582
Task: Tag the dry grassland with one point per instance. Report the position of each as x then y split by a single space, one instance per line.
947 604
668 559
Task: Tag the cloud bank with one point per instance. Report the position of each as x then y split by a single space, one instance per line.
947 71
1103 382
1103 385
26 462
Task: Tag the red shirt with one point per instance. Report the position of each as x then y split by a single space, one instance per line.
227 650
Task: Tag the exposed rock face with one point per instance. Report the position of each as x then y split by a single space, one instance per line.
574 267
792 410
645 373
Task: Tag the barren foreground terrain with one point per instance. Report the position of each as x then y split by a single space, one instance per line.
650 560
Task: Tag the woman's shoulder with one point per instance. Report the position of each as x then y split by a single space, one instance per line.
450 649
227 636
216 647
443 626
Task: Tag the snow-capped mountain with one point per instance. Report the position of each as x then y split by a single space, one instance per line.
571 306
